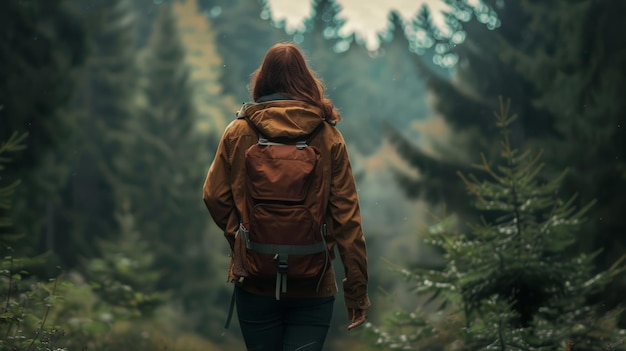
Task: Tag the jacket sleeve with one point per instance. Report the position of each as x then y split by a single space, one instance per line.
217 192
347 230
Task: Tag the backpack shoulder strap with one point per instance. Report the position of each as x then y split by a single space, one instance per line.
254 128
316 131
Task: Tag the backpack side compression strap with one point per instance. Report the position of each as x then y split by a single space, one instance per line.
231 307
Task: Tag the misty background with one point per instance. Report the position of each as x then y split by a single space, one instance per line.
111 111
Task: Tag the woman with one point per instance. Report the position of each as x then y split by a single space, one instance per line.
289 100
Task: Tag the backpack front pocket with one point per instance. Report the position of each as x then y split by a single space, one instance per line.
280 173
284 232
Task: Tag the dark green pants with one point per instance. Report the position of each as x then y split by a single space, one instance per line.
288 324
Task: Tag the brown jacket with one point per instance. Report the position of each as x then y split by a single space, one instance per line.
224 186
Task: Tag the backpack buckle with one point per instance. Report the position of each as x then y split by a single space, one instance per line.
282 267
282 264
281 275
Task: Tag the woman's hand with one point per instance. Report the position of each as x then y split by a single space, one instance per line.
357 317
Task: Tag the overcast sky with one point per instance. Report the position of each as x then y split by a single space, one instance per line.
364 17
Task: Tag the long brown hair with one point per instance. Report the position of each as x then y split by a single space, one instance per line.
284 70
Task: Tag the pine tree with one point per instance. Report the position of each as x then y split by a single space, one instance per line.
165 169
390 93
559 63
398 72
319 40
214 107
321 34
26 300
244 33
102 108
423 35
366 86
509 283
124 276
166 147
166 151
8 236
41 45
578 83
464 99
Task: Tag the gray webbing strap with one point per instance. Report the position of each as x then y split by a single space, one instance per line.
281 274
264 141
286 249
231 307
282 249
279 277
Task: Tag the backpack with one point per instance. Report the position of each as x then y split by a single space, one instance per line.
282 229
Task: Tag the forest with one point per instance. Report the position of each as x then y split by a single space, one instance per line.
490 160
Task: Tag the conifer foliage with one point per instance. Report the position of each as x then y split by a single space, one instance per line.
124 277
41 44
508 283
243 34
561 63
26 302
102 108
165 170
7 236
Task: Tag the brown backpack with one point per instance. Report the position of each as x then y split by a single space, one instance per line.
282 225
